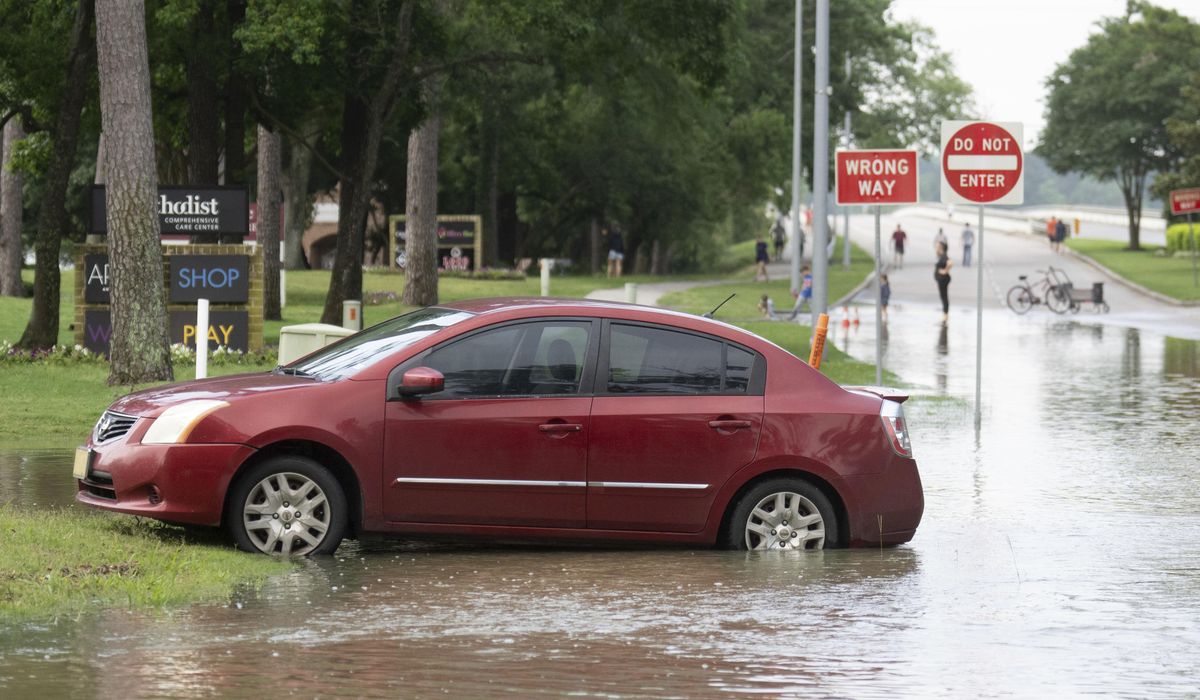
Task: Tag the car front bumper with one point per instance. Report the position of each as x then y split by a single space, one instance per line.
176 483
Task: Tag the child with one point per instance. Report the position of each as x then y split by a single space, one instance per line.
767 307
805 296
885 293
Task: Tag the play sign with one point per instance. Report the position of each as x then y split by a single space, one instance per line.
982 163
876 177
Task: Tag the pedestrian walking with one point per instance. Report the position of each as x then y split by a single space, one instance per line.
778 235
940 239
885 294
968 241
616 252
1060 235
804 296
941 274
761 258
898 239
1051 230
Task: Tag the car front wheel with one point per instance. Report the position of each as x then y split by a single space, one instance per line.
287 505
782 514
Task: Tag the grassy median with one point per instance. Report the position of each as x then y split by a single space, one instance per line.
67 561
1148 267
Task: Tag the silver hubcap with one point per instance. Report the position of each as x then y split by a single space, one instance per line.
785 520
286 513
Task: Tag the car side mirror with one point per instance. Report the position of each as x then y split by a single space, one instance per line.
421 380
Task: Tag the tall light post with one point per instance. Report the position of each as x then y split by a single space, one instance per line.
846 143
797 112
820 256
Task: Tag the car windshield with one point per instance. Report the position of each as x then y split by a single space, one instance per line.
363 349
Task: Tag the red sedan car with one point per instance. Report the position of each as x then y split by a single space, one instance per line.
519 418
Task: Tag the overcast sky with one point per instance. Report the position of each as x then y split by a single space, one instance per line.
1005 49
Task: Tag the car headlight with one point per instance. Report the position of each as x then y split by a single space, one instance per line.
176 423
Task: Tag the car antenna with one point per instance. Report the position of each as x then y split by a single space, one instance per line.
710 313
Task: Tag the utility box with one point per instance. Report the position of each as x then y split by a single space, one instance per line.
297 341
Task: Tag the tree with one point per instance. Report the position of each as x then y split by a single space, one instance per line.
1184 130
68 104
12 249
139 346
1108 104
420 278
268 219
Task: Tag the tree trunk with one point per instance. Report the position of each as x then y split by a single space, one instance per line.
596 246
268 219
235 103
203 121
139 346
362 131
12 250
421 275
42 330
489 190
656 259
297 201
1131 191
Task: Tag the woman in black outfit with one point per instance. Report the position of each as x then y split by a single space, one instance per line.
941 274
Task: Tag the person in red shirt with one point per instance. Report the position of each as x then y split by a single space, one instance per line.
898 239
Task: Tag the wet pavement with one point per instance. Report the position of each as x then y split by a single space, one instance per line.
1059 556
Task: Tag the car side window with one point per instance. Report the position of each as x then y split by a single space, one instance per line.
545 358
645 360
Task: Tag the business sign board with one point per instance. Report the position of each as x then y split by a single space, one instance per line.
230 329
97 330
218 278
95 278
187 211
1185 201
459 242
881 176
982 163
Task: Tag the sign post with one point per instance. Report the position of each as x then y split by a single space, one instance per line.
982 163
1188 202
876 177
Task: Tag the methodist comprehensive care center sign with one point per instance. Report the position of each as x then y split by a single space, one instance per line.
187 210
228 276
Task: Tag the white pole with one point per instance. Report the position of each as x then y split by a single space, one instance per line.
546 264
201 338
820 257
631 292
878 304
979 330
282 288
846 210
797 113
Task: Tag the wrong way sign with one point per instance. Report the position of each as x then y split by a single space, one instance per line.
883 176
1185 201
982 163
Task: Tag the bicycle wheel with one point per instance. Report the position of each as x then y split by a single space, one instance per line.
1020 299
1058 299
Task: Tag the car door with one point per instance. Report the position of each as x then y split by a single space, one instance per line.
675 414
505 443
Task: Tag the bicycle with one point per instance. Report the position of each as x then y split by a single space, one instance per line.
1054 293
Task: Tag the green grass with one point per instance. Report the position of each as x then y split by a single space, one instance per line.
66 561
836 365
1166 275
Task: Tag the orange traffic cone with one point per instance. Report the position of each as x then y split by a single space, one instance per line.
845 317
856 321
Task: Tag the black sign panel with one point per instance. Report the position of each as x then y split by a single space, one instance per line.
218 278
97 330
95 278
449 233
188 210
225 328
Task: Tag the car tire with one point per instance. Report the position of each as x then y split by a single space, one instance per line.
764 518
288 505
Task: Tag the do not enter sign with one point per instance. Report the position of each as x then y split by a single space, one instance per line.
982 163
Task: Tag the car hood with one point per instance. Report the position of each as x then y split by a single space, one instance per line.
151 402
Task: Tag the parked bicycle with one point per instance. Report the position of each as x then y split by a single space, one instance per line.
1053 290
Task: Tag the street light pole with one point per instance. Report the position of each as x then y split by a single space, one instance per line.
846 210
797 113
820 256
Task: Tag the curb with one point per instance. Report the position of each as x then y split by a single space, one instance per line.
1133 286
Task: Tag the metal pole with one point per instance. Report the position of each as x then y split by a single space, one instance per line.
878 303
820 257
846 210
979 329
1192 238
797 113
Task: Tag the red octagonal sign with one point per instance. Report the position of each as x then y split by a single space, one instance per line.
982 163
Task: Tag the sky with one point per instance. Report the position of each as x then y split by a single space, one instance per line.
1005 49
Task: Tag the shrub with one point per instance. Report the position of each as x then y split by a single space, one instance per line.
1180 240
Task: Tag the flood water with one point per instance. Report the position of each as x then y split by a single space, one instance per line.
1059 556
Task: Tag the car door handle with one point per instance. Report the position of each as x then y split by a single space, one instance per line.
728 424
560 427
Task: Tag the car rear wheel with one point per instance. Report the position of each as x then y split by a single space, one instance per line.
779 514
287 505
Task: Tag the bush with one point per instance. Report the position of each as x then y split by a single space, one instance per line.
79 355
1180 240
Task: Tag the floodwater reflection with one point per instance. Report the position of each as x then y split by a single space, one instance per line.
1059 557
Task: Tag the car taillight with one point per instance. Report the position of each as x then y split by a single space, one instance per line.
897 430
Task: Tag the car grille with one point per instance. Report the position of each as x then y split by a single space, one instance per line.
112 425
